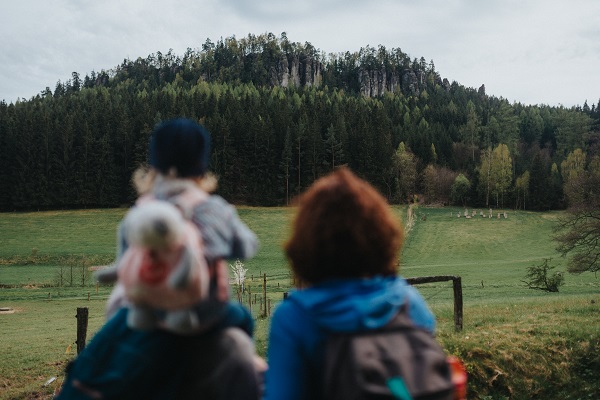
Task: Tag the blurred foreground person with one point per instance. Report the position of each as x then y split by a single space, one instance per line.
172 331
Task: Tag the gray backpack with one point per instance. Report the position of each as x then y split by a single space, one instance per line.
398 361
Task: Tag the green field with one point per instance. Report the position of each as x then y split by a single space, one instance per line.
516 342
491 255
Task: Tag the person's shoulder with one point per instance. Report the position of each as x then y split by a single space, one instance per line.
215 204
293 322
215 199
289 308
419 311
213 210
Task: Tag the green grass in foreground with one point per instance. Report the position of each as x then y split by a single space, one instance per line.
517 343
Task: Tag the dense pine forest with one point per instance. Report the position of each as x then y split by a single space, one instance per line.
283 113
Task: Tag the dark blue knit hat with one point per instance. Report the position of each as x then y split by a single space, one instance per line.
181 144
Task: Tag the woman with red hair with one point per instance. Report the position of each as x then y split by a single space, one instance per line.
344 250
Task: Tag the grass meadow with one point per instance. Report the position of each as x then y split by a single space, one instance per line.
516 343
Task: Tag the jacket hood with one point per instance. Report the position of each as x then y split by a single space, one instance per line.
347 305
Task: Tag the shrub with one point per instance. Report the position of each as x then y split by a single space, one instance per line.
537 277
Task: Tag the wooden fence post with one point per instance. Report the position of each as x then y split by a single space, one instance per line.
457 288
82 323
458 303
265 294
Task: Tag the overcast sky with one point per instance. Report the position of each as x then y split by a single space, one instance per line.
528 51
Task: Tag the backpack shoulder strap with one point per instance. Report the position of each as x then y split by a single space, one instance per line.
187 200
399 321
145 199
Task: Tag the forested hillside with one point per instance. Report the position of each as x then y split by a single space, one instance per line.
282 114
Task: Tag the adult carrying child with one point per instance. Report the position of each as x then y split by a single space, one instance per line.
172 331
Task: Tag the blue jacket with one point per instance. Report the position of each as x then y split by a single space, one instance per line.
300 325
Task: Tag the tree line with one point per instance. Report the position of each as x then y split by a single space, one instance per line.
282 114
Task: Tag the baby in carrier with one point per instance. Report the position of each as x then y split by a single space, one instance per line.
172 331
171 271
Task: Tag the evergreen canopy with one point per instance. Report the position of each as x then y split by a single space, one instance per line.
281 114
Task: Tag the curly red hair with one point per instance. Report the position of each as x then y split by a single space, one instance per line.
343 229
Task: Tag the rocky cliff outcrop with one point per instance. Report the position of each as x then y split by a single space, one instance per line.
376 82
295 70
410 82
446 85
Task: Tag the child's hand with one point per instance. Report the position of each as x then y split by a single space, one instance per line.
105 273
260 365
